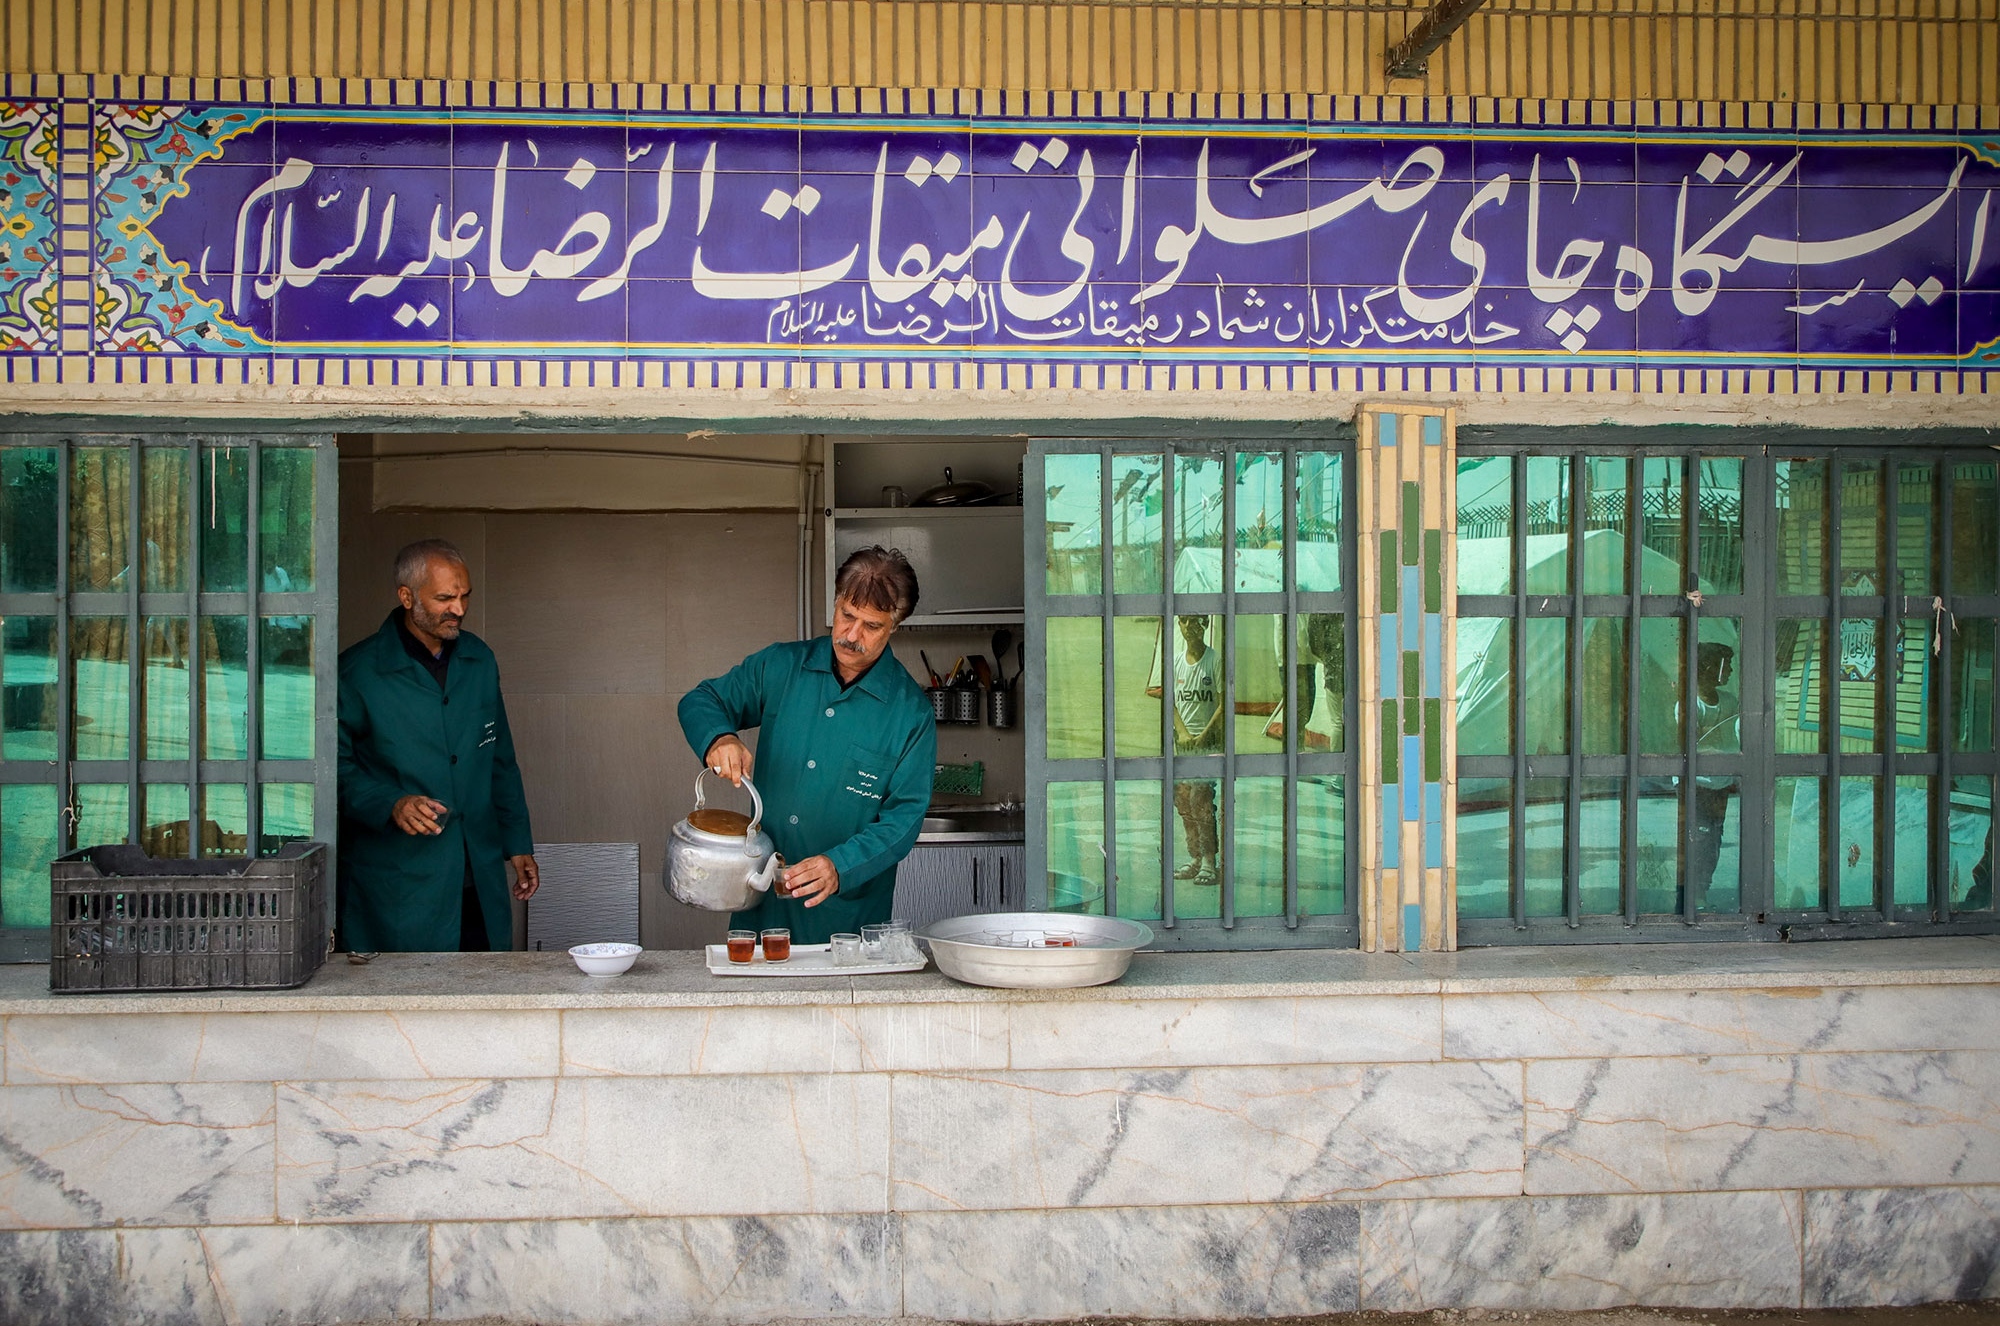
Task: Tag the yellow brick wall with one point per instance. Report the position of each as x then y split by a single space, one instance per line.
1910 52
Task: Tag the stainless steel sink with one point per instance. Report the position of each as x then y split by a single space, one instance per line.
941 824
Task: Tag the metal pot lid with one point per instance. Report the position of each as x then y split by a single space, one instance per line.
949 493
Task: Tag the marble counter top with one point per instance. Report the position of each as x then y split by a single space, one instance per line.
678 979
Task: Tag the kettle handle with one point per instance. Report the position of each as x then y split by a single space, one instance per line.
756 803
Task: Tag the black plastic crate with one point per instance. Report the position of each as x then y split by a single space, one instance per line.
122 920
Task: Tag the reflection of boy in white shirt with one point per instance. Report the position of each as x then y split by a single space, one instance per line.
1197 729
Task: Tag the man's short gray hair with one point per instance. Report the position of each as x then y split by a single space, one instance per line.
413 563
878 578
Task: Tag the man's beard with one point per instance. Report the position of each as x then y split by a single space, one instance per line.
442 625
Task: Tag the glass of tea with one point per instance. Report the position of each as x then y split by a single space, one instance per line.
742 945
1058 939
777 945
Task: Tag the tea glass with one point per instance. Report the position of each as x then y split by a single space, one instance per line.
742 945
777 945
846 950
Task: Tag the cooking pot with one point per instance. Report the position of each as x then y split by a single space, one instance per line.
948 493
719 860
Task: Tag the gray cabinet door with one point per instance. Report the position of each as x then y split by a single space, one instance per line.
937 880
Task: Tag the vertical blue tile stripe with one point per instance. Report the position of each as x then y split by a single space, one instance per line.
1392 664
1433 656
1413 783
1433 431
1413 604
1392 829
1433 825
1413 927
1386 428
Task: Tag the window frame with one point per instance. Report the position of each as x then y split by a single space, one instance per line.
1171 930
134 604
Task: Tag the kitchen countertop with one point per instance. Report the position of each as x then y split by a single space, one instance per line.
669 979
975 824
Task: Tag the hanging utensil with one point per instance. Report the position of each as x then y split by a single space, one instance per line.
1020 660
1003 640
935 683
982 672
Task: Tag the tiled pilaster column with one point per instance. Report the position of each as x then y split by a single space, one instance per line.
1408 788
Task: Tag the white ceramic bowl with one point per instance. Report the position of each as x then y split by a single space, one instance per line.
604 959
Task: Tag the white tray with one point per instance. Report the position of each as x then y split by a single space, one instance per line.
806 960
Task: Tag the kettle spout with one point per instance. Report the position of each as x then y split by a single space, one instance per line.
763 880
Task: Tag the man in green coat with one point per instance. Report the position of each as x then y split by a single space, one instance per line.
431 807
846 754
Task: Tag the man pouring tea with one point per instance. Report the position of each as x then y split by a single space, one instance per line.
847 751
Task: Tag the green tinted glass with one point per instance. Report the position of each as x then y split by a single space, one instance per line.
163 519
1074 553
1200 698
100 518
103 813
1076 847
285 665
1600 845
1911 685
100 689
163 819
1970 874
1548 521
1137 663
1663 508
1972 685
1197 847
1258 714
28 497
225 829
1607 502
1662 665
225 688
1139 848
1605 685
1916 528
1547 685
1322 849
1544 842
1975 527
285 815
1319 507
1259 860
1198 532
1485 543
1864 647
165 701
29 840
225 519
1485 685
1485 846
1719 568
1137 506
1800 494
1798 849
1800 698
1075 687
28 688
1260 523
1855 865
1658 868
1863 506
285 519
1914 794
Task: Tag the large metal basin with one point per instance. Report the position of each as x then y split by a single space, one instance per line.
965 949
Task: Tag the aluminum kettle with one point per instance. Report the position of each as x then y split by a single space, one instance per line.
716 860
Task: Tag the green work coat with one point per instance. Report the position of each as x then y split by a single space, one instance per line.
400 735
844 774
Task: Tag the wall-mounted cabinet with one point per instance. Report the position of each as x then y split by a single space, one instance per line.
967 557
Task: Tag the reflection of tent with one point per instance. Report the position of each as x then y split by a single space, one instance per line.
1258 570
1486 664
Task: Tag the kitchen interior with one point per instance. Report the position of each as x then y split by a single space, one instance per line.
613 572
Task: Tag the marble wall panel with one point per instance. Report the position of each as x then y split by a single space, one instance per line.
1165 1033
273 1275
534 1148
1205 1135
1626 1023
1200 1262
713 1269
842 1039
1576 1253
281 1047
141 1154
1768 1121
1870 1246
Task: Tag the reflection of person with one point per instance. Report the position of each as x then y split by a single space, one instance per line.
1717 719
431 806
1197 729
846 758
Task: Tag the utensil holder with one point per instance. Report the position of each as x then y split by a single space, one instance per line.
940 703
965 706
1000 707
